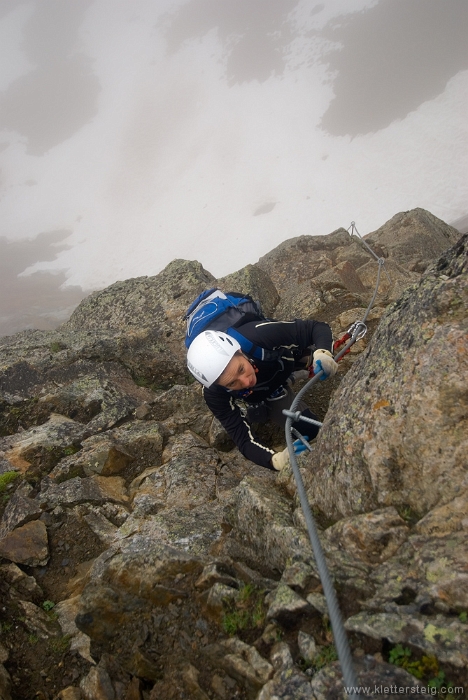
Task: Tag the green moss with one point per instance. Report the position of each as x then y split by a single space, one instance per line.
408 515
152 385
425 668
57 346
325 655
60 645
7 478
73 449
246 592
235 620
247 612
398 654
142 381
440 681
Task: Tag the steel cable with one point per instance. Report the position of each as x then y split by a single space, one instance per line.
357 330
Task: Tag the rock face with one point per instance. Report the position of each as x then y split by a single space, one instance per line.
396 433
313 273
38 449
26 544
254 281
143 302
413 239
152 561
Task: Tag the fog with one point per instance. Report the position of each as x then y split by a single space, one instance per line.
133 132
39 300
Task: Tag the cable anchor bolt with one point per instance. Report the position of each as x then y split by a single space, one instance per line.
297 416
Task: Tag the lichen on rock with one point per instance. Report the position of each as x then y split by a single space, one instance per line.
175 567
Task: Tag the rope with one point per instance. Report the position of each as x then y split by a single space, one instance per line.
354 333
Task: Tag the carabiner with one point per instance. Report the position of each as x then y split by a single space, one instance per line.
354 329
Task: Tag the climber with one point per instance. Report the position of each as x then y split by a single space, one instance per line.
241 391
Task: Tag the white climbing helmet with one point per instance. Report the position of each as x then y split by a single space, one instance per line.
209 355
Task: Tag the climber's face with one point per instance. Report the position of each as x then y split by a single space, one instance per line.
239 374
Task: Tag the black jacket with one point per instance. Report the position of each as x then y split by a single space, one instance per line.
292 340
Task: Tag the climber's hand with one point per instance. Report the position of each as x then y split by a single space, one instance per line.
323 360
280 460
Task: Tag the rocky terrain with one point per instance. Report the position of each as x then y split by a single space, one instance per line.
143 558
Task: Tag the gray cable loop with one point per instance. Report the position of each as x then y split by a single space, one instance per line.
381 261
339 633
357 330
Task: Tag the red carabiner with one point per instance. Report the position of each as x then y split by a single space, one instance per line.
338 343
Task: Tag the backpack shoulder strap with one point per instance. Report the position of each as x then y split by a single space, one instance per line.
255 351
201 297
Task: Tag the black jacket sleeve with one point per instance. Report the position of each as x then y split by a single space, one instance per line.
223 407
272 335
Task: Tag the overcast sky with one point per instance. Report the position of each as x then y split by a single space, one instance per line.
133 132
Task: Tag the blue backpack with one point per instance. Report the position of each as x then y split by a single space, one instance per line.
214 310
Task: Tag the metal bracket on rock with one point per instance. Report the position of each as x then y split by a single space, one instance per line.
297 415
